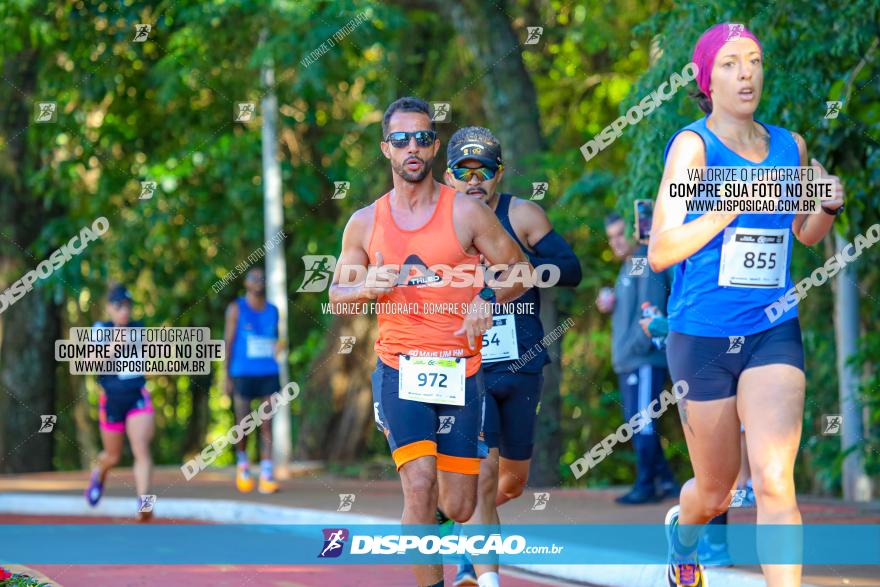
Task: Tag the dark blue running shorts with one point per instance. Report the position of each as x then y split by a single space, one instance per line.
512 401
711 366
416 429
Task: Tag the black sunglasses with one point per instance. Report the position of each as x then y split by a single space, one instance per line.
400 139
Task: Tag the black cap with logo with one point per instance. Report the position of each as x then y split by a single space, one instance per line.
474 142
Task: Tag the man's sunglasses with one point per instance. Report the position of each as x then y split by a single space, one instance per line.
481 173
400 139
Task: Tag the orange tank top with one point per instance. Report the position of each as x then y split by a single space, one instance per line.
424 255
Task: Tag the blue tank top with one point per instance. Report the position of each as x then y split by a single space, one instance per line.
528 325
121 383
698 305
256 334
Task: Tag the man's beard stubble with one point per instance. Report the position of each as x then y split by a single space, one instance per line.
400 169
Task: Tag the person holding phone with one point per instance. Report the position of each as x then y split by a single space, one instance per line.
640 365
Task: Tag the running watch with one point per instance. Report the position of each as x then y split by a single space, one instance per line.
488 294
836 212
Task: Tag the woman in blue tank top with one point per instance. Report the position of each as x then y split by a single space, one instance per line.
739 360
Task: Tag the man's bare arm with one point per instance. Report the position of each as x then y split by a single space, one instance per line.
354 261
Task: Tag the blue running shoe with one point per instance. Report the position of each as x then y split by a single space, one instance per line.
465 575
682 571
95 489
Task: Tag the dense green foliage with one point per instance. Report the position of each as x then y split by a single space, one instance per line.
163 110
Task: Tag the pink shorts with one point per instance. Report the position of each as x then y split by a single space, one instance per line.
114 409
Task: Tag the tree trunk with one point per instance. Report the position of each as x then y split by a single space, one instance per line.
86 427
511 107
200 390
338 429
509 98
856 484
27 379
276 269
544 470
30 324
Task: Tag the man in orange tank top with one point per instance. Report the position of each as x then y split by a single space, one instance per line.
420 247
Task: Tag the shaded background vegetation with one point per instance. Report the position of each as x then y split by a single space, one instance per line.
162 110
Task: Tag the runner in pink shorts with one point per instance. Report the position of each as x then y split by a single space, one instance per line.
124 407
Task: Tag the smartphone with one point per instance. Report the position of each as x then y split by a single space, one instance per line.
644 217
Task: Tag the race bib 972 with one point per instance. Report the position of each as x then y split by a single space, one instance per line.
432 380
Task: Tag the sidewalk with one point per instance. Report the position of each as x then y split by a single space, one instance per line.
312 489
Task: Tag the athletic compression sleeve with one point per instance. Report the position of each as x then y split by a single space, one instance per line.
553 250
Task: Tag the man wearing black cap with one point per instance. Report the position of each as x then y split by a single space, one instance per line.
513 387
124 407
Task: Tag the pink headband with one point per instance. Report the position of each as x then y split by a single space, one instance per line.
710 43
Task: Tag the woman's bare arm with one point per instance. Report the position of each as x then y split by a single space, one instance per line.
672 241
